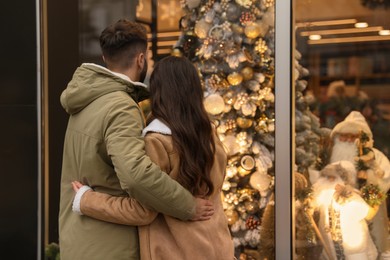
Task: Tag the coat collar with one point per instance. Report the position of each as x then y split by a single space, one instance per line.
120 75
157 126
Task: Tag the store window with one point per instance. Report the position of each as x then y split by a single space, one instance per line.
236 48
342 129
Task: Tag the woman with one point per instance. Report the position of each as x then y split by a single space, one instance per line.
181 140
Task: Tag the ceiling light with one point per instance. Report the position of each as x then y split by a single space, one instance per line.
350 39
384 32
315 37
343 31
325 23
361 25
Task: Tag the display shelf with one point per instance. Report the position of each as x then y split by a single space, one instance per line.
363 69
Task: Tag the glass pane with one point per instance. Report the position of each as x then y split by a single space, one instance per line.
342 106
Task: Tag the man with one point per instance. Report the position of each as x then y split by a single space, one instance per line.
345 137
104 149
343 214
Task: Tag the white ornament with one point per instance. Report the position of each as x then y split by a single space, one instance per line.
230 144
209 17
193 3
261 182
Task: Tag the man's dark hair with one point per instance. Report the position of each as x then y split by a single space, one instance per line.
121 42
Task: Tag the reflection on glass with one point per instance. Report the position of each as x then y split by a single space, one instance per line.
94 16
342 127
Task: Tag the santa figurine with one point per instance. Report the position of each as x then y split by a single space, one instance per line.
352 140
343 214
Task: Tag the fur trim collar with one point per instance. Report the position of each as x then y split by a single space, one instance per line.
157 126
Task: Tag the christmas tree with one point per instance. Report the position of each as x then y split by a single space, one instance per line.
231 42
309 149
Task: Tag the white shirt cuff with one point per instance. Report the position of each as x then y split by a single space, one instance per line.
77 199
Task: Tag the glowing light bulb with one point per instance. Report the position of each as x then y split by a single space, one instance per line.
384 32
315 37
361 25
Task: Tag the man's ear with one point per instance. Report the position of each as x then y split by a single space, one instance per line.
141 60
104 59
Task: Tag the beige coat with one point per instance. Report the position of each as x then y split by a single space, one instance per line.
166 237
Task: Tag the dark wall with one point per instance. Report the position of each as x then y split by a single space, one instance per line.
63 59
19 121
18 131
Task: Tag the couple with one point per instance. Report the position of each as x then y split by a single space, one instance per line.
105 149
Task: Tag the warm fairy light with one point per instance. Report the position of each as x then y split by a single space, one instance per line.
315 37
361 25
231 171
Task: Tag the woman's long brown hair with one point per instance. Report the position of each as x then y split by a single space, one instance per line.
177 100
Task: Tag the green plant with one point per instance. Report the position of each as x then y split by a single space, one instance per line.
52 252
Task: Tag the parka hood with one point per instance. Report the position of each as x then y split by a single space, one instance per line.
91 81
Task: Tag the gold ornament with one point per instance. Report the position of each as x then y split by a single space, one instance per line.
202 28
261 46
251 207
230 124
271 125
247 73
231 171
252 30
243 140
229 98
237 29
268 3
192 3
244 123
242 172
262 124
176 52
248 56
247 162
245 3
214 104
269 17
235 78
232 216
232 12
